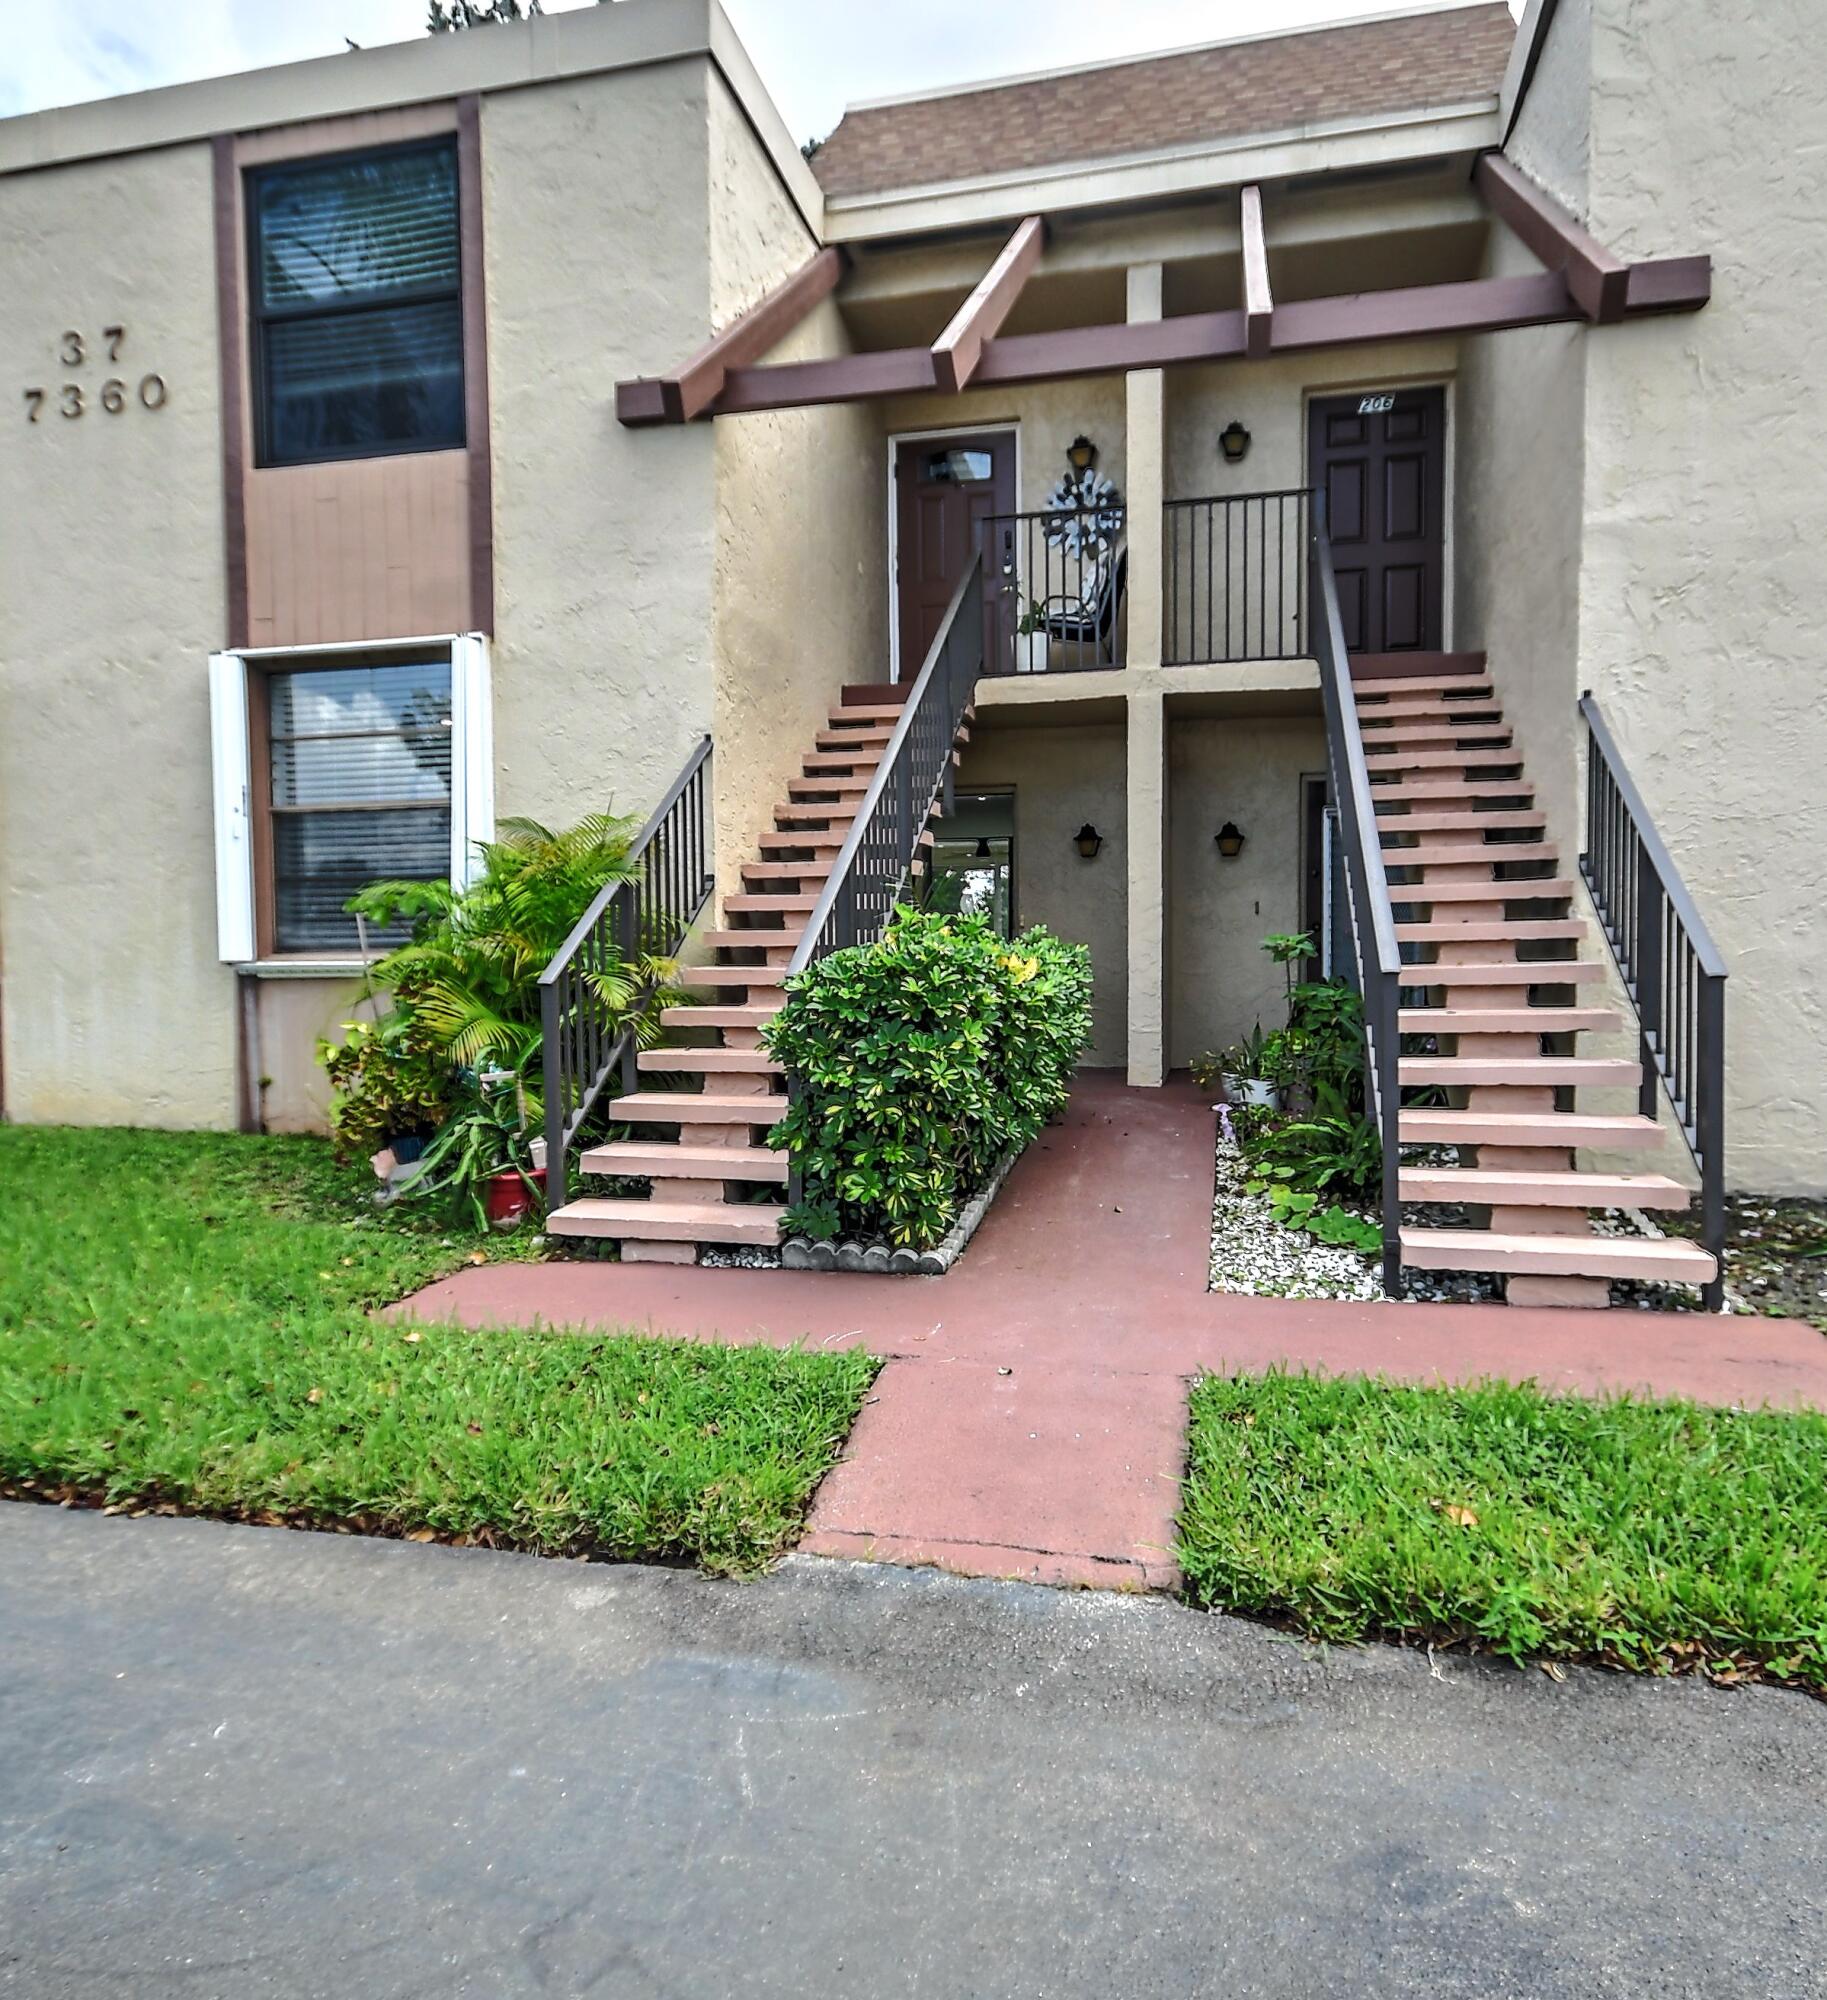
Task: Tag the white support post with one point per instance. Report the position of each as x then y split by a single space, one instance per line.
231 777
472 756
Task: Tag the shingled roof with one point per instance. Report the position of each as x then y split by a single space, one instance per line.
1228 90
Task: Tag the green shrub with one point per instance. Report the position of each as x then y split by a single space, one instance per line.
923 1060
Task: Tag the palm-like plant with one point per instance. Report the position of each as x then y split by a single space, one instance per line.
470 973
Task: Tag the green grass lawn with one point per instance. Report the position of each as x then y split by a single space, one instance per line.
184 1320
1650 1535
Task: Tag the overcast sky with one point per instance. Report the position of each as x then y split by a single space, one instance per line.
815 55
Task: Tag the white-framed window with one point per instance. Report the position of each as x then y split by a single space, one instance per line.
338 767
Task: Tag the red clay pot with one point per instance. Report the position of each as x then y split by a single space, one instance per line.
508 1197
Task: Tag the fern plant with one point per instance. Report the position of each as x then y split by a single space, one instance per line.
470 971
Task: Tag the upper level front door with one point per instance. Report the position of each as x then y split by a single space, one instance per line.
944 488
1380 459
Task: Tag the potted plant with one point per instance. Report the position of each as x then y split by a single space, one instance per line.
1031 639
483 1161
1244 1069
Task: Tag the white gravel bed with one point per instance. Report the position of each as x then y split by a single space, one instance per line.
1254 1256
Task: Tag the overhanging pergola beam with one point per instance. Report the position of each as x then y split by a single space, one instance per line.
1480 305
1599 281
1258 300
959 349
691 389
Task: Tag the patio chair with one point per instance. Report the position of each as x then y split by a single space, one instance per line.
1087 619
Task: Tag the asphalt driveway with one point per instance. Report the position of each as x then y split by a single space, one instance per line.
247 1762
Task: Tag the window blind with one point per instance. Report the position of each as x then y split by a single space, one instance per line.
357 306
360 767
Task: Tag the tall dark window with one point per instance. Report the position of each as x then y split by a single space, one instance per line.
359 771
358 312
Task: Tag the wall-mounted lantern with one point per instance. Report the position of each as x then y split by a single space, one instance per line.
1234 442
1230 840
1081 453
1088 840
981 852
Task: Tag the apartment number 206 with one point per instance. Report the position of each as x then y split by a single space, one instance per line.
74 399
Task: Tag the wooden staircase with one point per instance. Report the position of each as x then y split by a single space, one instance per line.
1480 896
714 1179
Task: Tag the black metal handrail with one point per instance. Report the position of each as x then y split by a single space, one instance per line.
1057 577
649 915
1232 567
914 776
1673 971
1373 962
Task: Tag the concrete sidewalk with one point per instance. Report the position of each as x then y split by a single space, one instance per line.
1031 1419
240 1762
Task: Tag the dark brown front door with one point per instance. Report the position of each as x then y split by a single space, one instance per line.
1380 460
943 488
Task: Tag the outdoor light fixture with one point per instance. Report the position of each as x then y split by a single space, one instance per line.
1234 442
1081 453
1088 840
981 852
1230 840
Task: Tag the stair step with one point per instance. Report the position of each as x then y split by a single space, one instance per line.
827 818
1430 723
1524 972
755 940
1565 1130
728 976
1542 889
717 1017
1671 1258
874 733
708 1062
1436 737
766 903
1606 1072
823 844
1430 854
785 871
659 1161
1514 1188
1495 930
697 1107
1380 762
1495 1020
662 1221
1411 685
867 711
1495 819
1405 792
826 788
861 761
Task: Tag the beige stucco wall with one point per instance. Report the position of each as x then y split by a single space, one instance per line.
1703 600
596 227
1062 777
1246 769
111 596
799 588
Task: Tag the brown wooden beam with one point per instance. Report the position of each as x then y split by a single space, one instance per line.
1599 282
691 389
1670 284
843 378
1258 301
959 349
1482 305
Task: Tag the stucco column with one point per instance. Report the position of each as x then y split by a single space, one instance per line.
1145 449
1146 842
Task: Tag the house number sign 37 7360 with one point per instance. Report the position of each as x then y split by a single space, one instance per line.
80 352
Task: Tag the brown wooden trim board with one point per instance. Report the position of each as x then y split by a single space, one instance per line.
475 365
233 378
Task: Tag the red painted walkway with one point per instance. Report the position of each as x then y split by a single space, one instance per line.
1030 1420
